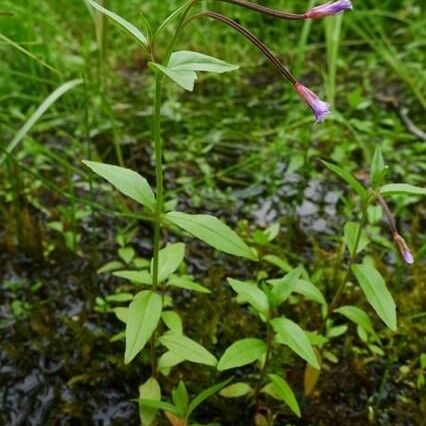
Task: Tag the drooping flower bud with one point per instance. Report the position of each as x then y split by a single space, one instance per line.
320 108
403 248
328 9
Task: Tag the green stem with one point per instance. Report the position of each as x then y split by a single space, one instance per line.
351 260
262 373
159 201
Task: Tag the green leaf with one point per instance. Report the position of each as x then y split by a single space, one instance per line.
119 297
126 181
187 349
402 188
35 116
168 360
349 179
127 26
149 390
242 352
276 261
207 393
378 167
283 287
186 283
236 390
127 254
140 277
213 232
180 398
283 390
172 321
358 316
159 405
294 337
251 294
143 316
350 233
310 291
183 66
170 257
121 313
375 290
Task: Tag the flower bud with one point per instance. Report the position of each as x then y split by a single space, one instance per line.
319 108
404 249
328 9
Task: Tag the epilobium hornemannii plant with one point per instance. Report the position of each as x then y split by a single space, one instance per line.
149 310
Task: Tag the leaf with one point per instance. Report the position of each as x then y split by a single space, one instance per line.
378 167
172 16
127 26
161 405
127 254
283 287
143 316
349 179
236 390
187 349
121 313
358 316
207 393
402 188
140 277
283 390
294 337
168 360
186 283
183 66
310 291
374 287
35 116
276 261
170 257
242 352
350 232
213 232
126 181
149 390
180 398
251 294
172 321
119 297
310 379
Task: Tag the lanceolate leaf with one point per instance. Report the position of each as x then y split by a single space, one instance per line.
283 390
283 287
143 316
310 291
242 352
186 283
170 257
378 167
184 65
187 348
358 316
402 188
149 390
126 181
375 290
207 393
127 26
294 337
251 294
140 277
213 232
236 390
348 178
351 231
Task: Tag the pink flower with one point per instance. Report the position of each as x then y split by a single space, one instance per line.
328 9
404 249
319 108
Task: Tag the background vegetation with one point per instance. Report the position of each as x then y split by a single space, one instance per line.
243 148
